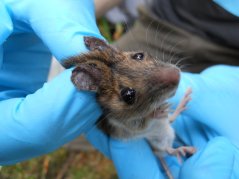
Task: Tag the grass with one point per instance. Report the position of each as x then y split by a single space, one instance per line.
111 32
62 164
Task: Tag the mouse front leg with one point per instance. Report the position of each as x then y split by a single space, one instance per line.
183 150
182 105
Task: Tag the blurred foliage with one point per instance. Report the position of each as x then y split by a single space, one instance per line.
111 32
64 164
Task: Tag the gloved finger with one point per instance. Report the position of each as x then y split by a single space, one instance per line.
6 25
134 159
218 159
45 120
99 140
59 23
68 21
214 99
190 132
5 28
26 66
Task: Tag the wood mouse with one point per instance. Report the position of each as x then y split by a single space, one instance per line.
132 89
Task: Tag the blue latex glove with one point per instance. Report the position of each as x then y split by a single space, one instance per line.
36 118
229 5
210 123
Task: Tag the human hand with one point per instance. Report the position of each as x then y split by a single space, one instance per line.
35 118
209 123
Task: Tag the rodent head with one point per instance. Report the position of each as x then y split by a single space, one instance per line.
129 85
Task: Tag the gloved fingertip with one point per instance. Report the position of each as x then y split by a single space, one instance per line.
6 26
215 160
134 159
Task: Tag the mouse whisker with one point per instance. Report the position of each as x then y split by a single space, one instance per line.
181 60
128 29
172 52
184 66
162 43
146 33
156 37
159 60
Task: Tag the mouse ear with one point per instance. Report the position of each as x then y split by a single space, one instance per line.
86 77
93 43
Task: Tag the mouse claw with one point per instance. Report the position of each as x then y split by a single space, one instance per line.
182 105
181 152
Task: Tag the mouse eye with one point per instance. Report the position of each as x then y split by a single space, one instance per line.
138 56
128 95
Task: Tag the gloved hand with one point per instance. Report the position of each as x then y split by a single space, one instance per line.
210 124
36 118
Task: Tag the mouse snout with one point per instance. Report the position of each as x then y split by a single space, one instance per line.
167 77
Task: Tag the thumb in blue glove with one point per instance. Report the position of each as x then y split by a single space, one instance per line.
218 159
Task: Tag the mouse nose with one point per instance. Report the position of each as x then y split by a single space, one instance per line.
167 76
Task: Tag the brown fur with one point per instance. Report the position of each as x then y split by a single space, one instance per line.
119 70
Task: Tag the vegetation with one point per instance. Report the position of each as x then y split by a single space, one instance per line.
63 164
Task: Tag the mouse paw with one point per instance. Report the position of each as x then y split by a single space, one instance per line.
182 105
181 152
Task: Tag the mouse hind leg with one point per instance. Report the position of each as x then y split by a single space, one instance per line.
160 141
181 151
